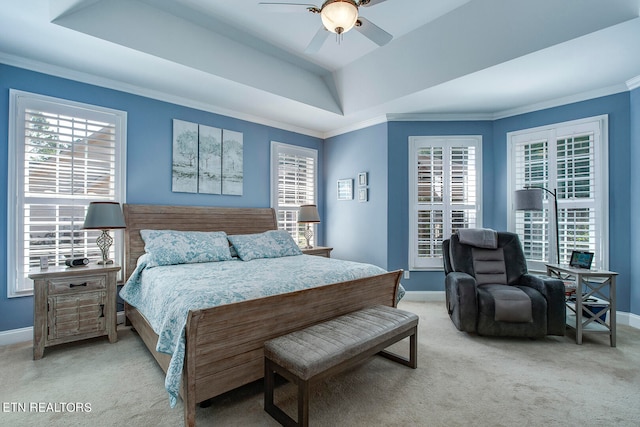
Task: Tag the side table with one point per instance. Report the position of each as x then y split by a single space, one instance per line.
319 251
591 285
72 304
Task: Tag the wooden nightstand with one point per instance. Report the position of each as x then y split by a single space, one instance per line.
319 251
72 304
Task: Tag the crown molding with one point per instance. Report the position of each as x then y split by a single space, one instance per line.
558 102
91 79
87 78
633 83
438 117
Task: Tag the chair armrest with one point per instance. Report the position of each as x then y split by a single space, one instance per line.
553 291
462 300
550 287
533 281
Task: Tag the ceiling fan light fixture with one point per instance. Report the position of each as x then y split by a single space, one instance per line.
339 16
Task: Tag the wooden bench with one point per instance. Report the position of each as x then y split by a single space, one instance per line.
326 348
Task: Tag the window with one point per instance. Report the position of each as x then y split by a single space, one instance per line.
444 194
570 158
294 172
62 155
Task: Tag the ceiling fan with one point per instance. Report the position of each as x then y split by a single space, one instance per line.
338 16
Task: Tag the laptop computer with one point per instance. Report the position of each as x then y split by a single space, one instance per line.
581 259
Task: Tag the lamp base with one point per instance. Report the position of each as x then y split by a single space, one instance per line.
308 235
104 242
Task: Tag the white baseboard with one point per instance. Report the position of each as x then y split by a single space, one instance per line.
15 336
422 296
630 319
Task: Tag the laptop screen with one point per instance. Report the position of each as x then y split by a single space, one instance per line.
581 259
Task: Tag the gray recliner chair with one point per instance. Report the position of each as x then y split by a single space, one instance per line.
490 292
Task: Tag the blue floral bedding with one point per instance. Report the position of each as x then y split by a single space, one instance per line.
165 294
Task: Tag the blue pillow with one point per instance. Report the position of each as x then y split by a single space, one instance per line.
270 244
169 247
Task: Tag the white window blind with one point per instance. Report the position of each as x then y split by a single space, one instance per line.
570 158
444 194
64 156
294 172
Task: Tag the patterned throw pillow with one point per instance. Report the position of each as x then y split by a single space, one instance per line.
169 247
270 244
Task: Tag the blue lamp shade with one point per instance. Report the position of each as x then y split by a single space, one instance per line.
104 216
529 199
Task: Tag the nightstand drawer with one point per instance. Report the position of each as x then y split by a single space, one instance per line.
77 284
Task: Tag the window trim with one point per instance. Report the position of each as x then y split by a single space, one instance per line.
601 158
436 264
15 195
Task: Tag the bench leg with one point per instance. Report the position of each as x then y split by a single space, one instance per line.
412 361
303 403
270 368
269 381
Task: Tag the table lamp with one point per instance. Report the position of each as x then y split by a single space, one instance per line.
308 215
104 216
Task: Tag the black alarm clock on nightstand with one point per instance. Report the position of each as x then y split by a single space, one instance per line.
77 262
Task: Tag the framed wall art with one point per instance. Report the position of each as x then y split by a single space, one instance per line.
363 194
362 179
206 160
345 189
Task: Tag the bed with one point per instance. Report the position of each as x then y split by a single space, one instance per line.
222 349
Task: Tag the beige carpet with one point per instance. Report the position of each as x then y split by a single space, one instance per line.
461 380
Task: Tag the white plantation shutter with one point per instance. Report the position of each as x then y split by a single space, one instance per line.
570 158
444 194
531 169
578 211
66 155
294 173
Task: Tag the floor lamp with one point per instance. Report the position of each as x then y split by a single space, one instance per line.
530 199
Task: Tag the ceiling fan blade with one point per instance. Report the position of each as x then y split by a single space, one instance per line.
285 7
317 41
373 32
367 3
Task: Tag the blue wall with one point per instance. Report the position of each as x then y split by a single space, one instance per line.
149 151
398 209
618 108
374 232
346 154
358 231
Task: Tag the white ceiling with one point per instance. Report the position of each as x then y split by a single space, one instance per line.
480 58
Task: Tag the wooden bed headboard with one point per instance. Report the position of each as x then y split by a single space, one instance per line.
189 218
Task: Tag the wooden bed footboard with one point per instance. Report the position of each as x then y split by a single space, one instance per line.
224 345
